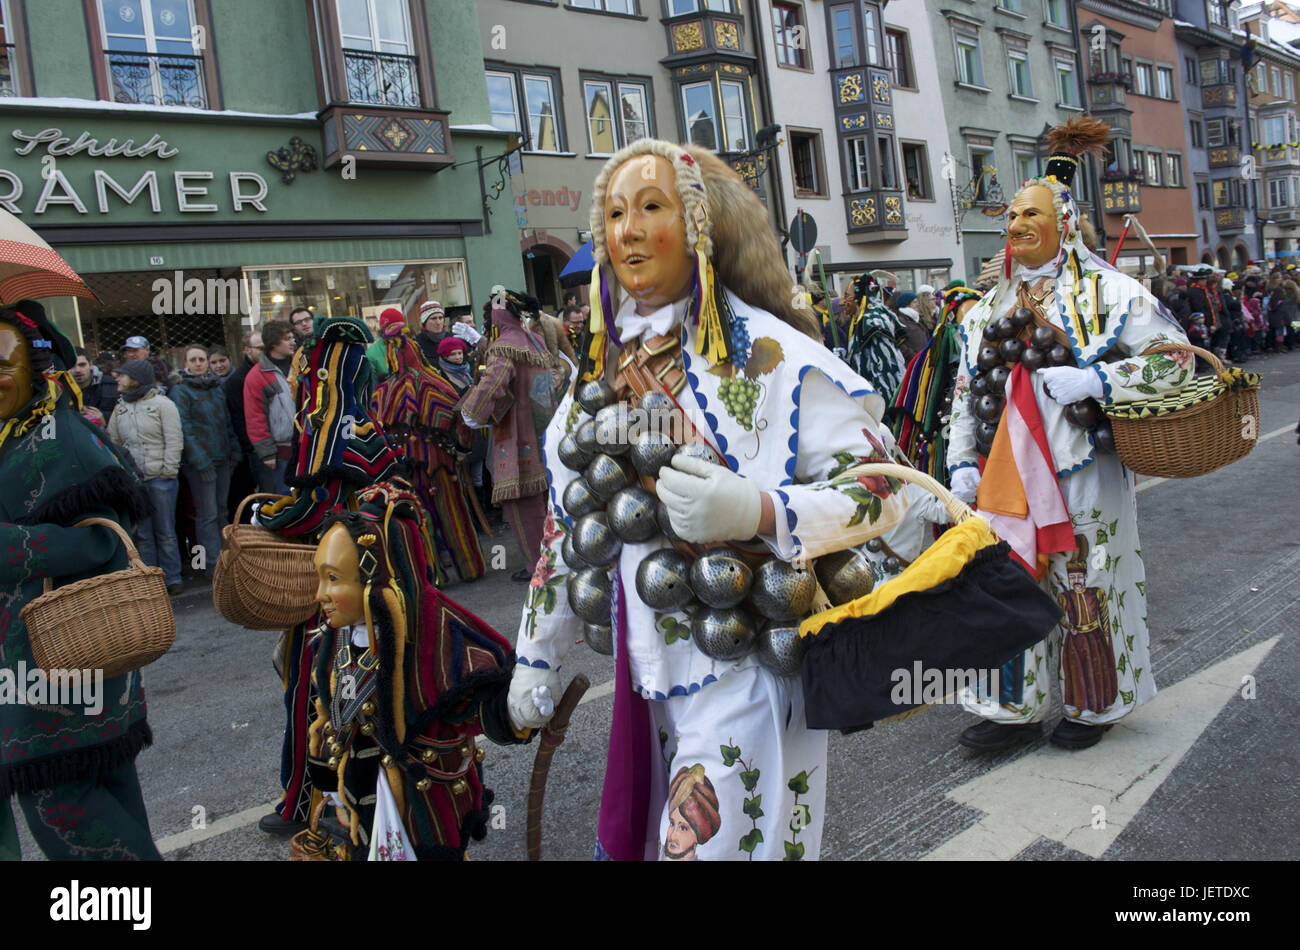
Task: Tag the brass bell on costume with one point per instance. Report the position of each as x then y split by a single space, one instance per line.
460 786
424 784
428 755
367 728
387 761
368 708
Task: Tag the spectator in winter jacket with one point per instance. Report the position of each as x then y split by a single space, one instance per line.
219 362
137 348
433 327
97 393
211 449
147 425
244 479
268 408
300 318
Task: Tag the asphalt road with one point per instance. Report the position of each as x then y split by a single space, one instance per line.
1205 771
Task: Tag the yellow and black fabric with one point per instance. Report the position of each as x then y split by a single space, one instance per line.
962 605
1202 389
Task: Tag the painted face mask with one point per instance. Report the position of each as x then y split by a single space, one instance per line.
15 372
340 592
645 232
1033 235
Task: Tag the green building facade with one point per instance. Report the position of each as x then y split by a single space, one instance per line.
207 165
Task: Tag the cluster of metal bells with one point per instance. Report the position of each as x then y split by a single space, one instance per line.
1000 350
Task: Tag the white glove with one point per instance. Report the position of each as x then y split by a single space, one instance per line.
530 700
965 482
467 333
708 502
1070 384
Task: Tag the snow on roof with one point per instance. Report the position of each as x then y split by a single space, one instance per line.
99 105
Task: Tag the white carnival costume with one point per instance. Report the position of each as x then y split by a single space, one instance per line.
728 764
1101 647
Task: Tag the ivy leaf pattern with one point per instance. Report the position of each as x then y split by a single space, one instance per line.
751 841
730 753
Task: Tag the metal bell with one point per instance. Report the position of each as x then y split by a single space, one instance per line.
1011 350
579 499
845 576
600 637
632 515
979 386
612 426
1021 317
723 634
988 408
651 451
665 522
656 403
892 565
721 580
1083 413
998 377
1103 437
595 541
875 545
585 436
782 592
1060 355
1033 358
595 395
571 456
988 358
590 591
698 450
1042 337
663 580
570 556
608 476
780 649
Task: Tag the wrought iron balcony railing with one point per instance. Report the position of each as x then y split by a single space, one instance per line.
160 79
386 79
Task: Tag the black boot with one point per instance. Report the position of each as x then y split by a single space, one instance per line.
990 736
1074 735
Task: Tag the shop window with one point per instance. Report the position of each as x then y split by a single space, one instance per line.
379 60
791 35
916 170
529 101
360 290
900 59
806 161
614 122
152 54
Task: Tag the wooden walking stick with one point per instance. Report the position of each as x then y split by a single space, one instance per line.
552 736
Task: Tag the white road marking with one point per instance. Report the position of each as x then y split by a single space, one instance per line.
240 819
1152 482
1052 793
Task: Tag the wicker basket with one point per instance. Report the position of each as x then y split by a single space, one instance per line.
262 581
1159 438
115 622
312 844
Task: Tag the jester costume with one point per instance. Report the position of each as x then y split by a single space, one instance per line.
340 449
72 771
923 405
737 729
401 697
872 351
1067 507
417 408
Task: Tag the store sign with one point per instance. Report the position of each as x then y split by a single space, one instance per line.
189 191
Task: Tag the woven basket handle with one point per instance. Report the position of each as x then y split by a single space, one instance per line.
239 511
957 508
132 555
1206 355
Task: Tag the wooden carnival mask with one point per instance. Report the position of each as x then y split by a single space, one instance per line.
1033 236
15 372
341 592
645 233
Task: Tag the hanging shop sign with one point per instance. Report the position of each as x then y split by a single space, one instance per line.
68 185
